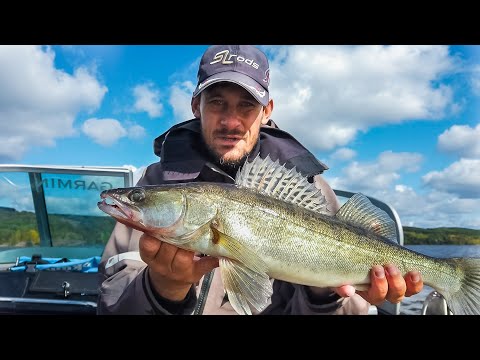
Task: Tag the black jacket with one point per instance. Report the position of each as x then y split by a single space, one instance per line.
183 155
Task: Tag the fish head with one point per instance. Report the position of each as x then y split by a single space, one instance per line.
144 208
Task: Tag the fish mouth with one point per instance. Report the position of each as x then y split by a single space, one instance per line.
118 209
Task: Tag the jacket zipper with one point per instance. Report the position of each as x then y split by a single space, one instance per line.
202 296
214 168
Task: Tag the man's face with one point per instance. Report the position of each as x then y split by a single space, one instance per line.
231 120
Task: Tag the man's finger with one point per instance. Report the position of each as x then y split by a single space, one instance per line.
375 295
183 261
414 282
166 255
148 247
396 284
345 290
204 265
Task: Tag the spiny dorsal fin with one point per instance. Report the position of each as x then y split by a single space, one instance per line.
273 179
358 210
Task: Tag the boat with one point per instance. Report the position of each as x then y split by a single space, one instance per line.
52 236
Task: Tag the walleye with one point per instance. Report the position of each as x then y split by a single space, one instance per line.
273 223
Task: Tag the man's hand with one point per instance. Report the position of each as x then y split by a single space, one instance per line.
173 270
387 283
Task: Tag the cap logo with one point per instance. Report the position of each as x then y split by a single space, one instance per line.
259 93
225 58
267 76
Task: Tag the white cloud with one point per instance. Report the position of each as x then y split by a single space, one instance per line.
180 98
475 80
101 54
74 50
147 99
379 175
404 200
390 161
324 95
461 178
451 197
181 92
38 102
136 131
462 140
431 210
476 86
105 132
343 154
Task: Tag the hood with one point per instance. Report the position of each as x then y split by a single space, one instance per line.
274 142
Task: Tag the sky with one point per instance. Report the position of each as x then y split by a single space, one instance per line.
400 123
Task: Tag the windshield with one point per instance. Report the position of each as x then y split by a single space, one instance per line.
53 212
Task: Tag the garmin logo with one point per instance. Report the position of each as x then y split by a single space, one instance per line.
226 58
55 183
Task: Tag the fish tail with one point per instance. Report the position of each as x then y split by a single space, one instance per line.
466 299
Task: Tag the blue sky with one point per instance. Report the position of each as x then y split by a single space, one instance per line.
399 123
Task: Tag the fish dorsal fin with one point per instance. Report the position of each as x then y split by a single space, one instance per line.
358 210
272 179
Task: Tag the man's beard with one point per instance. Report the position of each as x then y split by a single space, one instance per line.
227 164
232 164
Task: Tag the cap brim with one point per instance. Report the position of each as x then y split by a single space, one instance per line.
254 88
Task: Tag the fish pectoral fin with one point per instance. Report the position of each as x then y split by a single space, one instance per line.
244 275
361 287
245 286
237 250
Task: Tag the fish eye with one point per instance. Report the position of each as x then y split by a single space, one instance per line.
137 195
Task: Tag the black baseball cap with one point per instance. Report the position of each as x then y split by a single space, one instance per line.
244 65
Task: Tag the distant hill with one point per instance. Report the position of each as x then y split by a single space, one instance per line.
440 236
19 228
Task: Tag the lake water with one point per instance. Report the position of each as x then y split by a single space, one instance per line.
413 304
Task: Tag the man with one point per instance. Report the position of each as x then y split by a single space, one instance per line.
232 110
